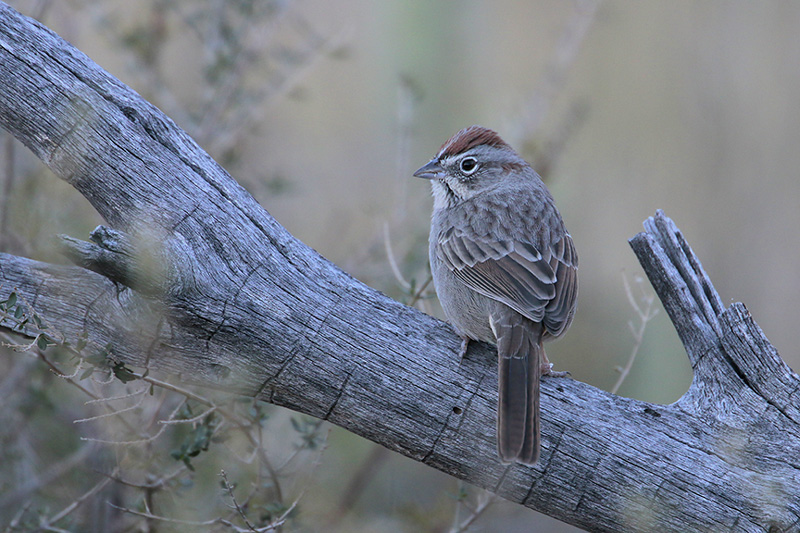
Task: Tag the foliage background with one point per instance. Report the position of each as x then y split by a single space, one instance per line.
323 110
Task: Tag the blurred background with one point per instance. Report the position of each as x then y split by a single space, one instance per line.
323 110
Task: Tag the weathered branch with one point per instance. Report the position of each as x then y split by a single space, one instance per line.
198 280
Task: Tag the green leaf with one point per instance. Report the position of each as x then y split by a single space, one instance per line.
185 412
81 343
123 373
196 442
12 300
41 342
99 358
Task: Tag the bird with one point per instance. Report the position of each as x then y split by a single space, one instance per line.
505 271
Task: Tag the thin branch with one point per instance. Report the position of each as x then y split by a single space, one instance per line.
233 418
359 482
192 420
77 503
151 516
229 489
12 526
151 438
555 73
47 478
221 521
153 485
63 376
387 244
420 294
645 313
484 502
117 412
8 183
115 398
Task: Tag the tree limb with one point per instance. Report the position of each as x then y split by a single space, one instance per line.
194 278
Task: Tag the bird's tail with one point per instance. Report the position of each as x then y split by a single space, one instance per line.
520 354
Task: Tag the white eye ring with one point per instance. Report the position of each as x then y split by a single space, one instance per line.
468 166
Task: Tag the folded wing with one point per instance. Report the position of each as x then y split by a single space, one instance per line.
539 284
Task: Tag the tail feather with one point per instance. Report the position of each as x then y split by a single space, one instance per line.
519 369
530 449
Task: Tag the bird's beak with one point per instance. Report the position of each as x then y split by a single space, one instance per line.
430 171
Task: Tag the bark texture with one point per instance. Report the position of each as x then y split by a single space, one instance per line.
193 277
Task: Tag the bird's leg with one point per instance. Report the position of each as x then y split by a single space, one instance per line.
462 353
547 368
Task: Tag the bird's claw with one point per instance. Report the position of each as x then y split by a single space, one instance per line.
547 370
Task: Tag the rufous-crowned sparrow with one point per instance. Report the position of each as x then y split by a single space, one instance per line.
505 270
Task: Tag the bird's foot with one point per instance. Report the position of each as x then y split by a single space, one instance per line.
547 370
463 351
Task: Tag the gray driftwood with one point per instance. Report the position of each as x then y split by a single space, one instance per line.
198 280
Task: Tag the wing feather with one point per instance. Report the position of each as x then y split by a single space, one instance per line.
539 284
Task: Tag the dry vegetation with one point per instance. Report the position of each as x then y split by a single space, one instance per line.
88 444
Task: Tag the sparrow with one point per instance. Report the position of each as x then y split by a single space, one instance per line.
505 271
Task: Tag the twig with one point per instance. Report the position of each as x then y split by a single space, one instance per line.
8 182
77 503
12 526
420 292
151 438
151 516
47 478
115 398
417 296
229 490
63 376
554 77
152 485
269 527
358 482
230 416
485 500
136 405
409 96
645 313
192 420
387 243
234 419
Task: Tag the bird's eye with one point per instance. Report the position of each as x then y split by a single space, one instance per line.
469 165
